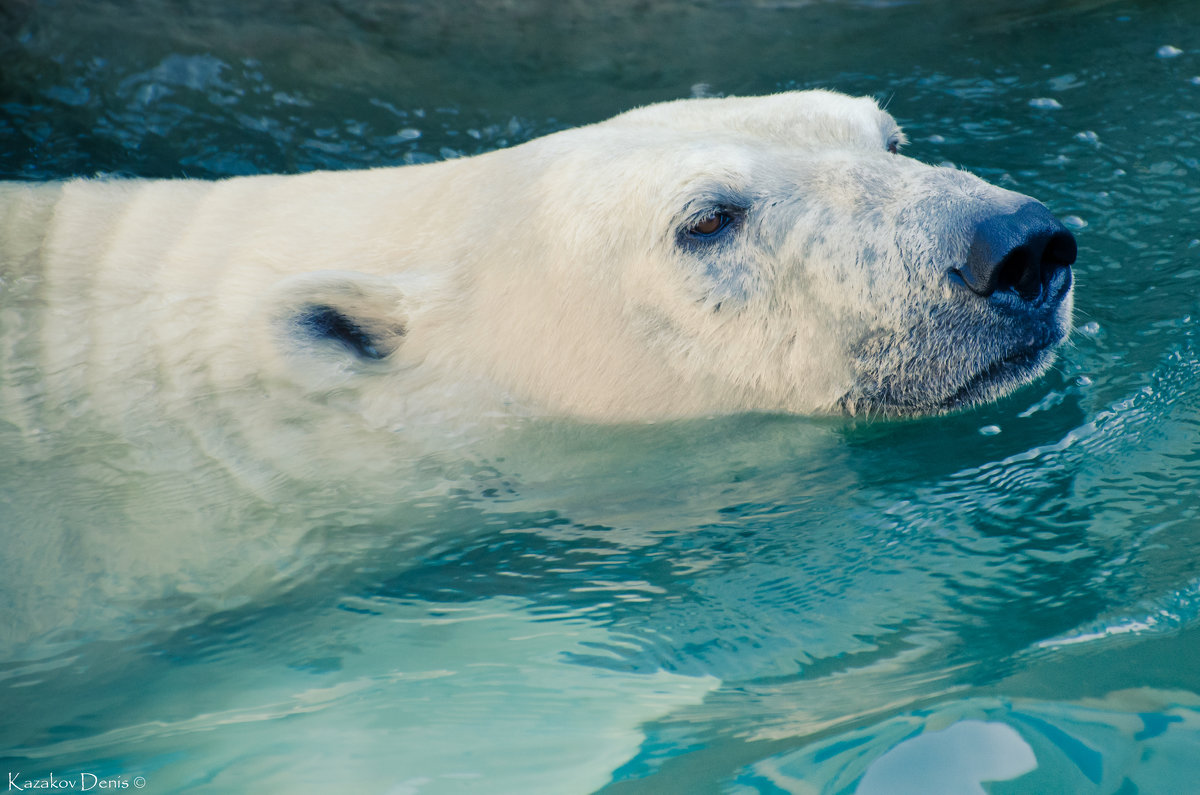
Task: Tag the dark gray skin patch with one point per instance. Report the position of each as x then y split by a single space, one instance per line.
727 275
323 322
935 377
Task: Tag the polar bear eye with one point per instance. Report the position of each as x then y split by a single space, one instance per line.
710 224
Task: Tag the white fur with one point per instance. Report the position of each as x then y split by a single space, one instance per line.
546 277
149 327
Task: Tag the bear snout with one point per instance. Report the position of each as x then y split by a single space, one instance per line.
1026 252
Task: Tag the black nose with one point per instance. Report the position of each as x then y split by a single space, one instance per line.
1022 251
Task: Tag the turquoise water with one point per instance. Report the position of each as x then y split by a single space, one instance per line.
1009 595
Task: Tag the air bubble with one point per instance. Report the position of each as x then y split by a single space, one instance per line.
1045 103
989 430
1090 329
1064 82
1167 51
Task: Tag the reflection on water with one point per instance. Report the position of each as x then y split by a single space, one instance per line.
748 604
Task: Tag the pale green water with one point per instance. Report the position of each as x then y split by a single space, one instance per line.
739 605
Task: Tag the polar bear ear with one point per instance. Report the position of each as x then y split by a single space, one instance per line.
335 323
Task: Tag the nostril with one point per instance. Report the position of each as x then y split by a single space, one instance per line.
1019 272
1060 250
1019 252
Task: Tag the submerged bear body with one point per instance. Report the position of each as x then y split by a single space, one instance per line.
197 379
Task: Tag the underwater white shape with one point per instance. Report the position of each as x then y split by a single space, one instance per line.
953 761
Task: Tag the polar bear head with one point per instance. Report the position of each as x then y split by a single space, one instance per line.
712 255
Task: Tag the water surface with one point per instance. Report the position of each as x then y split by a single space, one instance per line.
736 605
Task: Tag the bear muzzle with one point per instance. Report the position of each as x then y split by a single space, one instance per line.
1027 253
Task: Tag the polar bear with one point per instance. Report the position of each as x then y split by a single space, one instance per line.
773 254
205 361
